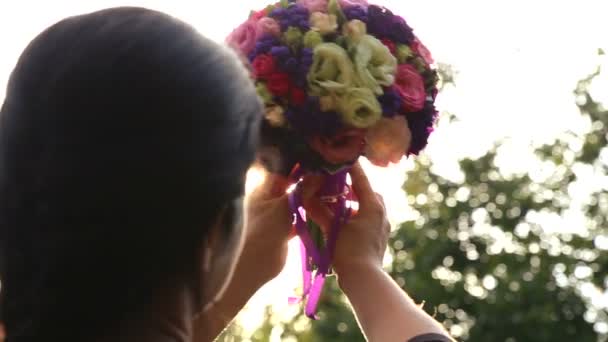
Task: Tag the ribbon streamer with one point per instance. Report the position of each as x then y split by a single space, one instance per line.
336 191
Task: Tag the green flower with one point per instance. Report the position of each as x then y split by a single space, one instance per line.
293 38
323 23
331 70
374 64
333 7
263 93
403 53
354 30
359 107
312 39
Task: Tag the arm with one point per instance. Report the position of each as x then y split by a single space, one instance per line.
384 311
267 226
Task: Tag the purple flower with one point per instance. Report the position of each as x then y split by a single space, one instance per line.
421 125
306 59
399 31
288 64
292 16
382 23
278 12
310 121
355 12
280 51
391 102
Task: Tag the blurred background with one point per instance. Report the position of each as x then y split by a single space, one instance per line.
501 226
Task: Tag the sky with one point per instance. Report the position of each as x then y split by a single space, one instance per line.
517 63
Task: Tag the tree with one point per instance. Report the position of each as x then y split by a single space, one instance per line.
484 260
485 254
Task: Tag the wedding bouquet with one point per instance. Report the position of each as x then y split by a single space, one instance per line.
339 79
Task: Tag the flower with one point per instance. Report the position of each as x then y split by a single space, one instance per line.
331 70
280 52
351 3
263 92
359 107
422 51
275 116
258 15
391 102
312 39
278 84
263 66
390 45
403 53
421 125
410 86
374 64
327 103
355 12
384 24
344 147
388 141
309 121
354 30
399 31
297 96
243 38
267 26
293 37
323 23
314 5
263 45
300 78
292 16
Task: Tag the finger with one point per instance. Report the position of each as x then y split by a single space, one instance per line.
381 200
273 185
315 209
362 188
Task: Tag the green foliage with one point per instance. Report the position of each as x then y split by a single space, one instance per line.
483 263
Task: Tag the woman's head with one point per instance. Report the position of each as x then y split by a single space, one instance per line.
125 137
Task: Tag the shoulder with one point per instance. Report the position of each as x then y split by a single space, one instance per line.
430 338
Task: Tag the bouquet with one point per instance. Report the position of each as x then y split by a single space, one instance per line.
339 79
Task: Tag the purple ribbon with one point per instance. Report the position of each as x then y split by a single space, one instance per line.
335 188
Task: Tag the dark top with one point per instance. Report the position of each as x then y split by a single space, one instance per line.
430 338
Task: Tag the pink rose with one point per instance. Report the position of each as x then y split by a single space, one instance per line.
350 3
422 51
388 141
341 148
267 26
314 5
243 38
410 86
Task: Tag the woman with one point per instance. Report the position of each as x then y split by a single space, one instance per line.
125 138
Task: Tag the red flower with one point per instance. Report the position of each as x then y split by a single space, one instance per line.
422 51
278 84
390 45
410 86
263 66
258 15
298 96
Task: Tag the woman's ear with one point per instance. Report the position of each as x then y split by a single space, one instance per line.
220 252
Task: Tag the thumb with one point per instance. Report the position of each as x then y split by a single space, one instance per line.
315 209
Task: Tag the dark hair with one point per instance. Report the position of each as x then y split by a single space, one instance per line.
123 134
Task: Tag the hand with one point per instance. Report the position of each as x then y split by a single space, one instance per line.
267 231
268 227
363 240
